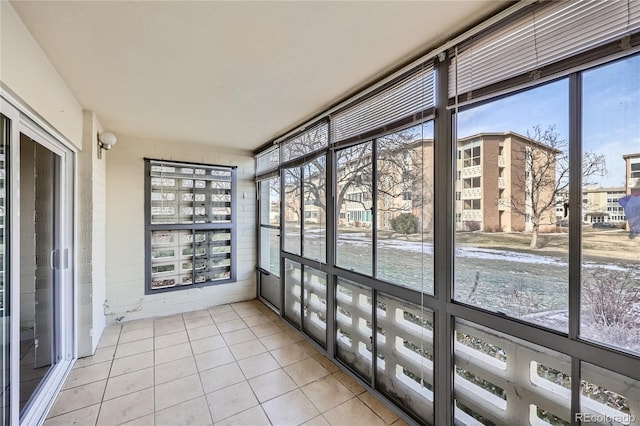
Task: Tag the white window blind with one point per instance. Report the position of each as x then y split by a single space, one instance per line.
550 32
313 139
267 160
411 95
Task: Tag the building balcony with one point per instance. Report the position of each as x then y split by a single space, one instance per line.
471 215
471 193
501 183
500 160
502 204
472 171
633 183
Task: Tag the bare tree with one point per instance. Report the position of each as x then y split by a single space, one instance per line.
545 175
400 171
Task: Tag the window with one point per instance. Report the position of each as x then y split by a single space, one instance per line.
471 157
504 247
472 204
355 170
305 209
270 225
402 241
190 225
610 286
538 163
471 183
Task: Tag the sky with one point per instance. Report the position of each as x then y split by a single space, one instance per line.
611 114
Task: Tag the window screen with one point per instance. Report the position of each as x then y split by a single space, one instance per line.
190 220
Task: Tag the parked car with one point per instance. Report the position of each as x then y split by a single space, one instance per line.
604 225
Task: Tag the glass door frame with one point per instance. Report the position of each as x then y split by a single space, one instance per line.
24 121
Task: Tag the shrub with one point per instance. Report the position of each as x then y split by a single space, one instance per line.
611 297
472 225
405 223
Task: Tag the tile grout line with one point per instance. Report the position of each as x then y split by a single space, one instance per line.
204 395
104 391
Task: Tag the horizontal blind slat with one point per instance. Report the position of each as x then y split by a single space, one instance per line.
413 94
551 32
306 142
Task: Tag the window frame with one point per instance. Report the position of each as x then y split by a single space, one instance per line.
446 309
211 226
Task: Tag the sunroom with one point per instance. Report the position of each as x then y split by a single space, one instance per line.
289 213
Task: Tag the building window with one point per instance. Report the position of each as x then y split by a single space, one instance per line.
270 225
471 157
635 170
471 183
190 225
471 204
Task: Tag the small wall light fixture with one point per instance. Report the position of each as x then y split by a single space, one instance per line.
106 140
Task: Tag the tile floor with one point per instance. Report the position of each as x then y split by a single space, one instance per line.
236 364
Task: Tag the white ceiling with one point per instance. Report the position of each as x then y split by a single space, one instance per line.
233 74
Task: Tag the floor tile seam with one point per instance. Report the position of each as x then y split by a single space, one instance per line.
155 334
330 408
76 409
137 418
276 396
84 384
201 383
172 360
152 386
207 313
244 411
181 402
200 326
104 391
216 322
128 356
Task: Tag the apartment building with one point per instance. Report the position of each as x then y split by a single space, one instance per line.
632 173
601 205
494 188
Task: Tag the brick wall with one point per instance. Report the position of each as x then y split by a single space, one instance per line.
125 252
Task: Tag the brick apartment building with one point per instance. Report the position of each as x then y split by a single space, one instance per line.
494 189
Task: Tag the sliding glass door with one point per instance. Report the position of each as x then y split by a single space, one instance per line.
36 275
5 347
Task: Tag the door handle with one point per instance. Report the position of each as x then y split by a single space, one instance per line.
55 260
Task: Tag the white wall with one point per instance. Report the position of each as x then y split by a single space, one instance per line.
125 237
91 231
26 71
27 74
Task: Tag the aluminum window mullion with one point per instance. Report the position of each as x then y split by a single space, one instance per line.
330 248
374 210
302 211
444 158
575 232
